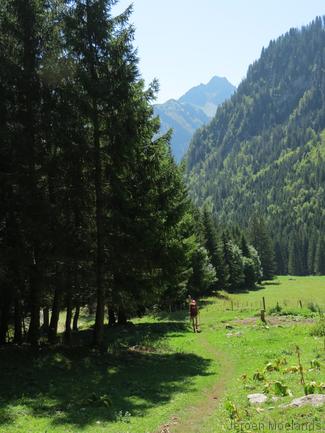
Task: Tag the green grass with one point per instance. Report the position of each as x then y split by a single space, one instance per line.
158 369
287 291
258 346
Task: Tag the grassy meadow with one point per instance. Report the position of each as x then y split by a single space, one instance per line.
157 376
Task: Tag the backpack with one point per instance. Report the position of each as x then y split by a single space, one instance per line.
193 308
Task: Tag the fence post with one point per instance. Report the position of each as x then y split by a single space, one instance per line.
264 308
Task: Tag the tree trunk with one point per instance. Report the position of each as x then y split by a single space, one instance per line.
55 316
76 318
100 309
46 318
121 317
24 325
67 332
35 294
29 101
18 333
111 317
4 317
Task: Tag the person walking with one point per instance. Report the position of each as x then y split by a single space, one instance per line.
194 312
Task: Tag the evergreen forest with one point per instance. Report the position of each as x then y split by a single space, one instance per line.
94 211
263 154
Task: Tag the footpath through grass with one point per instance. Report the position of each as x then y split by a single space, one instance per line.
157 376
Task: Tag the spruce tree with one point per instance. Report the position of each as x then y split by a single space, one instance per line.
203 274
261 240
312 243
245 247
281 268
293 262
23 50
320 257
234 260
104 64
214 247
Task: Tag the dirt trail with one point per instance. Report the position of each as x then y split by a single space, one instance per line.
193 417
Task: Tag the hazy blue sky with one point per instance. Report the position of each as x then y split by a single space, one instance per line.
185 42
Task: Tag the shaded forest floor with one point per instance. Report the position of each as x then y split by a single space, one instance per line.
158 376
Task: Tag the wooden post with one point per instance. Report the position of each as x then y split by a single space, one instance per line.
264 307
263 316
300 303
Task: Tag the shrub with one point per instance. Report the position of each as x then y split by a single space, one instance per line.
318 330
313 307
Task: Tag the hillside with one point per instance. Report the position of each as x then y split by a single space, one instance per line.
264 151
184 119
192 110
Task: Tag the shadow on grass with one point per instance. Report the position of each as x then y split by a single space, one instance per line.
177 316
271 283
256 288
121 337
79 386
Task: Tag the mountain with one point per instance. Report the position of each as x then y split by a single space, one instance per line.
264 151
191 111
184 119
208 97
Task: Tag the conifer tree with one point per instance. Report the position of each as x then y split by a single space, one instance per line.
214 247
294 253
234 260
245 247
280 259
261 240
203 274
23 50
320 257
311 254
94 39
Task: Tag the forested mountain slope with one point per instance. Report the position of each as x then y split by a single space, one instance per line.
192 110
264 151
184 119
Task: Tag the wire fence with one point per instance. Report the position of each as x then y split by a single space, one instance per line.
267 304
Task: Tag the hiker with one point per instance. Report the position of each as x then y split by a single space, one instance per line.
194 311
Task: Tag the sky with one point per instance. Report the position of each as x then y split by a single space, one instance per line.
183 43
